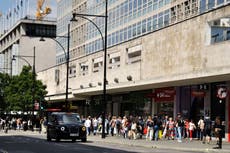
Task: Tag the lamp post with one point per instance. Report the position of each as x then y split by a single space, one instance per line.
104 41
23 57
67 62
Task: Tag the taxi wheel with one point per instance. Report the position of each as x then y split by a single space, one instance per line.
48 138
57 139
83 140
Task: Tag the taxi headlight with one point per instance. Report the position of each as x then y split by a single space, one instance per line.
83 128
62 128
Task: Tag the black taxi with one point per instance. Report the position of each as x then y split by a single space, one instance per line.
65 125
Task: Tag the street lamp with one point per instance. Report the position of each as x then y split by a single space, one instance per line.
67 62
23 57
104 41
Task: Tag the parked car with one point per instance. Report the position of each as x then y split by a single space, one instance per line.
65 125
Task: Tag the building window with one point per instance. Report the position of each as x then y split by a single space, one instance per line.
97 64
72 71
219 2
220 30
211 4
202 6
114 60
134 54
84 68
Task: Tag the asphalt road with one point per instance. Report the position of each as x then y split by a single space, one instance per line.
27 144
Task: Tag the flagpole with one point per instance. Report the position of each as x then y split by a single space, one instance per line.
2 26
22 9
28 4
16 11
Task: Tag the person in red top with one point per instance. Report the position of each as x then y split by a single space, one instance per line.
191 128
186 124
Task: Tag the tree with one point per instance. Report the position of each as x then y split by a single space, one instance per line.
4 82
22 90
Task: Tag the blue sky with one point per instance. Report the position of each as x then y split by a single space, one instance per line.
5 5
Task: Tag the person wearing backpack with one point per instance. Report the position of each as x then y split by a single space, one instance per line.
218 128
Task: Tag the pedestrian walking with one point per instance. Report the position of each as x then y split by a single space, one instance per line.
165 127
180 126
157 124
112 125
133 130
150 125
207 130
95 125
140 127
118 126
88 125
192 127
201 128
218 128
171 126
186 127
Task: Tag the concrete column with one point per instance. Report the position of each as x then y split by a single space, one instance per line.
227 115
154 107
207 102
115 109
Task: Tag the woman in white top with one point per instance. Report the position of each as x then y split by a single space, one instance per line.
201 128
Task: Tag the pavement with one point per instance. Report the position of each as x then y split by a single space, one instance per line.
185 145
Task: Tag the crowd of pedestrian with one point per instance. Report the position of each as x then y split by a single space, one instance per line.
22 123
153 127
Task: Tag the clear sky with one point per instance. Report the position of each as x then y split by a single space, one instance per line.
6 5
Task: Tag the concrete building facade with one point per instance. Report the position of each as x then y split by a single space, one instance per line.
22 39
164 57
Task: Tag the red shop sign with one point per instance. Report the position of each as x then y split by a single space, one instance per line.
198 93
163 94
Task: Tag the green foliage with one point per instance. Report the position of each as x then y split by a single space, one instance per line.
4 82
22 89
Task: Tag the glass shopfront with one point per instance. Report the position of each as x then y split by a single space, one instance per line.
165 108
136 104
164 101
218 101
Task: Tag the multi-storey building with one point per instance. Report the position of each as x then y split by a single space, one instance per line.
164 57
22 40
20 32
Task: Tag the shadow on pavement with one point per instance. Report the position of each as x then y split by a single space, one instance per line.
26 144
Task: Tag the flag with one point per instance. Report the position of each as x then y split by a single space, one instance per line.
17 5
9 13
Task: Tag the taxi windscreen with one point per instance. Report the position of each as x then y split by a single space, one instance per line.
69 119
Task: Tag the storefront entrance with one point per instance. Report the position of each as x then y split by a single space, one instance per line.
165 108
136 104
197 108
164 101
218 101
